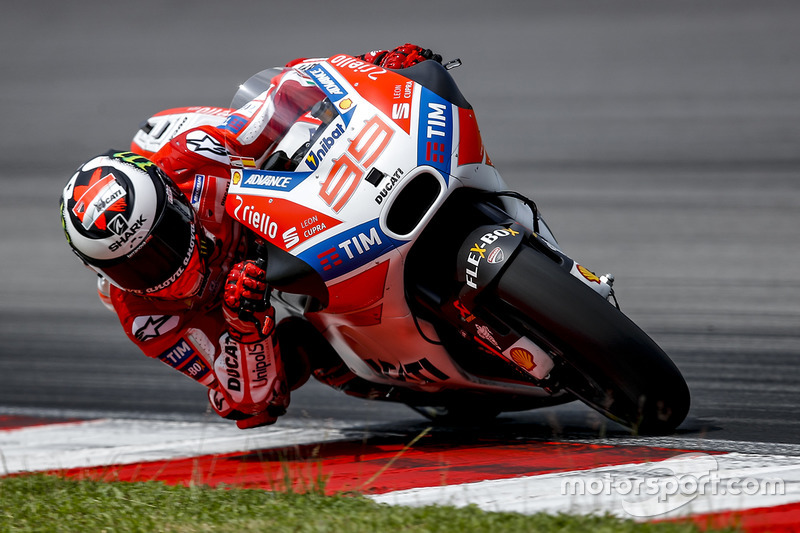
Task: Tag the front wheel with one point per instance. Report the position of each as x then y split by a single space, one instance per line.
601 356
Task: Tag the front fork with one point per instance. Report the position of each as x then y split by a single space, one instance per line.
481 259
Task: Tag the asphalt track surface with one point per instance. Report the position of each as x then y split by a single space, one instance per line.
661 140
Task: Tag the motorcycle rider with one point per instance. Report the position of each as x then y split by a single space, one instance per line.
174 266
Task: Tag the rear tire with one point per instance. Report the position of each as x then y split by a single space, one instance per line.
601 356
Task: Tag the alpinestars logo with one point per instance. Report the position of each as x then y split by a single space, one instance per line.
206 145
151 326
93 200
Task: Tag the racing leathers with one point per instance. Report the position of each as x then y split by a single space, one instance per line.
223 336
244 373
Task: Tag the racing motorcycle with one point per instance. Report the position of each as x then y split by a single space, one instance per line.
409 270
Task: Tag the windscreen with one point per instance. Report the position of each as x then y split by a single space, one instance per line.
277 114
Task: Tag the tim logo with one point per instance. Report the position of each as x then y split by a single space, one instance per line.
435 132
329 259
435 152
178 354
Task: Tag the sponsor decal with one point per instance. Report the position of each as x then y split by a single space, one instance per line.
529 357
196 368
523 358
148 327
257 357
588 274
254 218
403 91
387 188
214 111
232 369
421 371
478 253
349 169
320 150
348 250
329 259
326 82
183 357
234 123
244 369
392 93
205 145
466 314
236 176
197 189
361 243
345 104
126 232
401 111
291 238
435 152
371 71
486 334
435 132
496 256
93 200
272 181
142 163
313 225
242 162
178 354
118 224
282 222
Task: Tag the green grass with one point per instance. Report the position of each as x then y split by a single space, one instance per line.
51 503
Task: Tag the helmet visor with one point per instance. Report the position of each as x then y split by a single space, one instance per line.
165 254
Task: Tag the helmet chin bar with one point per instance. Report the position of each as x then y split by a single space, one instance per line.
187 282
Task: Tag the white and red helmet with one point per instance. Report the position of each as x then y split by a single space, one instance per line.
129 222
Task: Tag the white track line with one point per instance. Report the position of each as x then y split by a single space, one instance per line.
687 484
693 483
119 441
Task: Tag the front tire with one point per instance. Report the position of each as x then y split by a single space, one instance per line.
602 357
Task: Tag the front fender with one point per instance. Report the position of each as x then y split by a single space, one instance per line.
484 254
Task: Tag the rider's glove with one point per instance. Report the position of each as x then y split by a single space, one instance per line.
401 57
249 315
264 418
269 416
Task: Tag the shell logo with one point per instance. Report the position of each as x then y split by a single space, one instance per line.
345 104
523 358
588 274
237 177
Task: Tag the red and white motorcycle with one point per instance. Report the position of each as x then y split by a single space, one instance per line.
426 281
